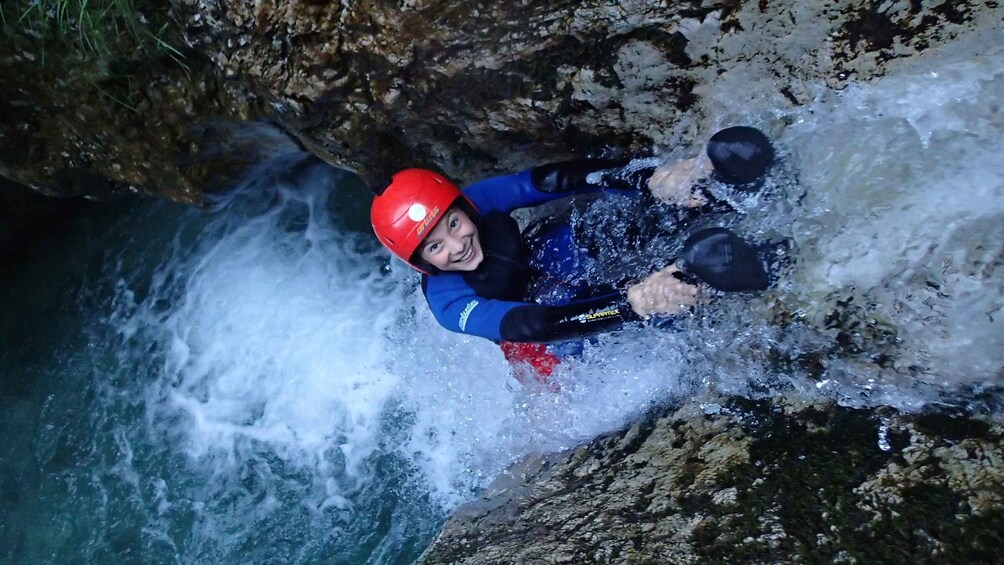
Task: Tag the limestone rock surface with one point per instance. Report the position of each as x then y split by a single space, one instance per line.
476 88
470 88
753 483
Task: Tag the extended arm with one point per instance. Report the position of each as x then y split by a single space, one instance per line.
580 318
556 180
660 293
585 175
459 309
739 156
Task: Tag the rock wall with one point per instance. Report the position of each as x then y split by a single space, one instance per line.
752 483
132 117
476 88
471 88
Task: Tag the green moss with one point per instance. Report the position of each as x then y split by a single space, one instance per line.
802 473
953 427
932 525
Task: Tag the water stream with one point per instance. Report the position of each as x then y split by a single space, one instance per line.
260 383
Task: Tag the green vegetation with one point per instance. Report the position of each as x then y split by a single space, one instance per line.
89 28
93 24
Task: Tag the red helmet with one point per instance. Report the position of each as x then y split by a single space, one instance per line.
410 208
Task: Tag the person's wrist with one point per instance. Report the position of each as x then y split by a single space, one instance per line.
637 299
674 183
703 165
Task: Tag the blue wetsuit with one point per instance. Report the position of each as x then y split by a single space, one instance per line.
494 301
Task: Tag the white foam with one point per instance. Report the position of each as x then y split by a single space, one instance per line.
281 335
904 207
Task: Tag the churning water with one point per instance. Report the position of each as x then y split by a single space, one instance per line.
260 384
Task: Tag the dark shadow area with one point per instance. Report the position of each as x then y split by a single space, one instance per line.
27 216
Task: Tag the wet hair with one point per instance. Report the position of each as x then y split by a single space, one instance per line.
464 205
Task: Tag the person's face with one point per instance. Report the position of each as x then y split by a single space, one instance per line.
453 245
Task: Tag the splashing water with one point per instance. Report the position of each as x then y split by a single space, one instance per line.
900 234
260 384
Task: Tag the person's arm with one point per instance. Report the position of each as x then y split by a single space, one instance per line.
580 318
676 183
739 156
586 175
459 309
556 180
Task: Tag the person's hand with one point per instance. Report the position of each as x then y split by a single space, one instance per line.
673 183
661 293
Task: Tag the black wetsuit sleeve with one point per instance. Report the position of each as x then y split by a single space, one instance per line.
586 175
542 324
740 156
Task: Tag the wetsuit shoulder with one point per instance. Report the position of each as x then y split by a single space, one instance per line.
506 193
458 308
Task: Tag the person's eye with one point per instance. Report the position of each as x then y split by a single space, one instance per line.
432 248
454 222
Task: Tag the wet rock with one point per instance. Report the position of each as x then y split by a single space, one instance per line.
751 483
491 87
471 89
133 118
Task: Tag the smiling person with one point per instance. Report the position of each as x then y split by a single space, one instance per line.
453 245
481 274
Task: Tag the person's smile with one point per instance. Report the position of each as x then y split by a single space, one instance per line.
453 245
